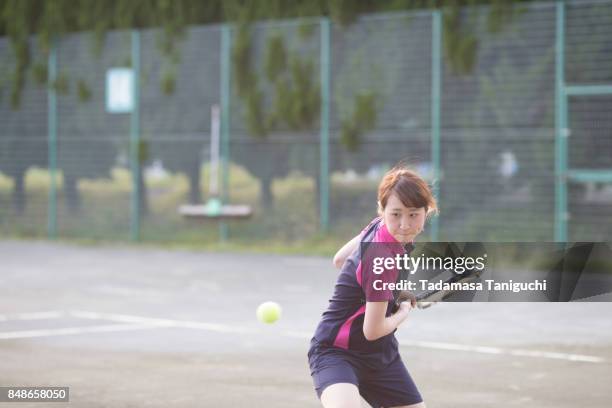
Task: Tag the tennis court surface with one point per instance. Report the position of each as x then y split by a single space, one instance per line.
142 327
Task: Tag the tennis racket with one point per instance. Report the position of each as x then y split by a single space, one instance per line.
426 299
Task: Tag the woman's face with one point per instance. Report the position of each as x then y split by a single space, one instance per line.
403 223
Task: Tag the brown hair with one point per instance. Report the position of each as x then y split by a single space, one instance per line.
409 187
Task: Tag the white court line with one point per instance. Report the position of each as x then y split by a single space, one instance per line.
52 314
298 334
498 350
131 322
219 328
558 356
480 349
71 330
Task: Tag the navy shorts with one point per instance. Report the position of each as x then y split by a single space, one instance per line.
387 386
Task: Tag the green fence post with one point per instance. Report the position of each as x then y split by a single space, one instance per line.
135 136
561 131
226 78
436 46
52 140
324 136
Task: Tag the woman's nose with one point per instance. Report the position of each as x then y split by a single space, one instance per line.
405 225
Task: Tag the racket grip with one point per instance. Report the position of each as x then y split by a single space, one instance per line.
425 305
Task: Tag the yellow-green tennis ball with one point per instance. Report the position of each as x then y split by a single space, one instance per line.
268 312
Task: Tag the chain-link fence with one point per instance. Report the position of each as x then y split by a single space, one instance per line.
315 112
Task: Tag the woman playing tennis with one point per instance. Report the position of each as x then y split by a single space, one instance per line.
354 351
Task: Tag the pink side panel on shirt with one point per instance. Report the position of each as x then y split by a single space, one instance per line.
342 339
383 235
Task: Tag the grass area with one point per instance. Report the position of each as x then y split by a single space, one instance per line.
289 225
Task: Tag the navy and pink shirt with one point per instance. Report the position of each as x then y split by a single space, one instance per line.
341 326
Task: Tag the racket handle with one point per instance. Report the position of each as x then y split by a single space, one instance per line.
425 305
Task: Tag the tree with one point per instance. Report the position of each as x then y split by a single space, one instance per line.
289 102
23 140
510 97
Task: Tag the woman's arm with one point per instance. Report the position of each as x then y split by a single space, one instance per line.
376 325
345 251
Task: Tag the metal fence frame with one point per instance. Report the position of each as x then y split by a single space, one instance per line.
564 91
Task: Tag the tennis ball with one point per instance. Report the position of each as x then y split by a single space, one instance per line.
268 312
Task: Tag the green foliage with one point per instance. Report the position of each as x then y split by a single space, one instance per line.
294 79
298 97
39 73
501 13
61 84
83 91
255 115
362 83
22 52
345 12
246 84
365 109
306 30
276 58
460 45
241 61
50 19
363 119
143 152
168 82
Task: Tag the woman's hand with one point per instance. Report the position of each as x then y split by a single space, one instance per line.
402 312
376 325
406 296
404 308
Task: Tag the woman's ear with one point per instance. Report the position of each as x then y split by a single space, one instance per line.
379 208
